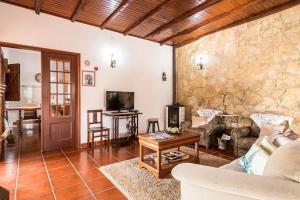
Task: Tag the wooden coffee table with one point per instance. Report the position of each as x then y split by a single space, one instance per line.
157 169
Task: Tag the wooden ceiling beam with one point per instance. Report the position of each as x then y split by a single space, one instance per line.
184 16
119 9
38 5
150 14
78 10
270 11
211 20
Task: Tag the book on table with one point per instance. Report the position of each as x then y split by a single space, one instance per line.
161 136
169 157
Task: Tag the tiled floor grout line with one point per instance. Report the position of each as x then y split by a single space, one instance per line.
93 159
54 160
72 151
106 190
72 165
131 154
47 172
18 168
56 167
69 186
48 175
63 175
115 158
112 157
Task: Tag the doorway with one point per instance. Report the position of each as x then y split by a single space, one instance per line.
60 97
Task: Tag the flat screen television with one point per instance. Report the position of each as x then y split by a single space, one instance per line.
117 101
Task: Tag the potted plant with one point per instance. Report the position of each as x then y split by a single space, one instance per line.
10 138
173 131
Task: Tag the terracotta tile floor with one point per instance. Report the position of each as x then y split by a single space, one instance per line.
65 173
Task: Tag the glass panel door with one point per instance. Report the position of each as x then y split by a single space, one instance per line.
60 88
60 108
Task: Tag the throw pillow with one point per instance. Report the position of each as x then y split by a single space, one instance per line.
281 139
255 160
198 121
267 145
209 113
286 125
291 134
285 162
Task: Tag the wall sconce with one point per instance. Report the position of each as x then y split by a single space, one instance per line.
113 62
164 76
199 63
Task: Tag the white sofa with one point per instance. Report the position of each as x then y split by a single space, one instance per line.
230 183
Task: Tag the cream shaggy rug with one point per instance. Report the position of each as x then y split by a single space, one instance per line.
140 184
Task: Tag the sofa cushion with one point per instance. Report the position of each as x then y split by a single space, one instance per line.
270 129
285 162
198 121
233 166
255 130
207 128
246 142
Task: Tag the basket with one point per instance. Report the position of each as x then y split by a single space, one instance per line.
222 144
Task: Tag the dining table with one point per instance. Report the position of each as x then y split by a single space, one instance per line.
19 109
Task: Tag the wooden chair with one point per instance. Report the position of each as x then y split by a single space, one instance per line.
95 126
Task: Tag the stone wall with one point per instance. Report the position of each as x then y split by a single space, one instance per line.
257 64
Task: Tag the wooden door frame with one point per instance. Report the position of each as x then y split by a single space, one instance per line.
77 84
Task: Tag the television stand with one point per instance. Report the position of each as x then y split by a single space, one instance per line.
134 121
124 111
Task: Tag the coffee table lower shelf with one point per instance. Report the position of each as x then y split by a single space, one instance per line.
165 169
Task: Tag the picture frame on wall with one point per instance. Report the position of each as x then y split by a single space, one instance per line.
88 78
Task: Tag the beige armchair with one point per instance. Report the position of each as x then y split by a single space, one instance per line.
243 138
208 133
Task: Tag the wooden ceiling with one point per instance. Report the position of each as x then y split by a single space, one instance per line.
171 22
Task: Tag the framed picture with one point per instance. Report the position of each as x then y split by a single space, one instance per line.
88 78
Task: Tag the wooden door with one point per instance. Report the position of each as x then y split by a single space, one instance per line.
2 94
13 83
59 86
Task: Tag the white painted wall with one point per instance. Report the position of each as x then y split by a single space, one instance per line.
139 62
30 89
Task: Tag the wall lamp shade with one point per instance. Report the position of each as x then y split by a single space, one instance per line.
113 61
199 63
